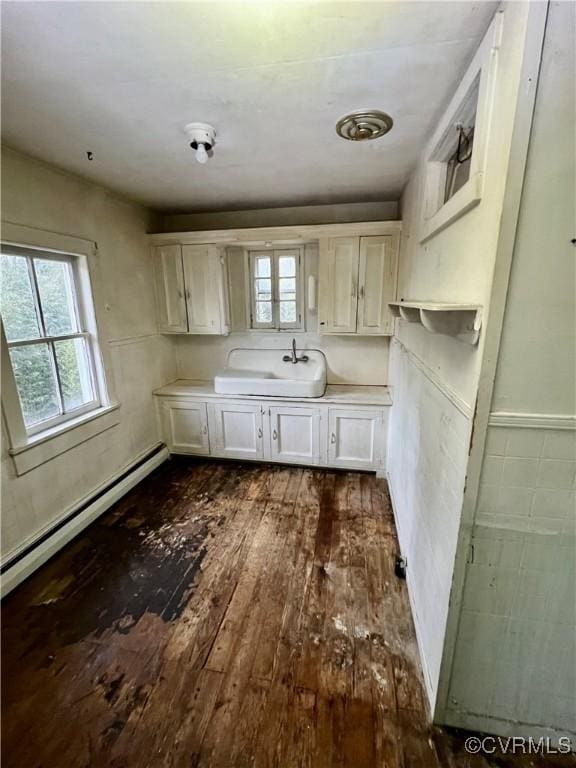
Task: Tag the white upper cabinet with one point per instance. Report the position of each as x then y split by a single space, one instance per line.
376 284
205 294
170 297
357 277
191 289
338 284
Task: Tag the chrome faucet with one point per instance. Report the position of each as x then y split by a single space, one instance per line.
293 358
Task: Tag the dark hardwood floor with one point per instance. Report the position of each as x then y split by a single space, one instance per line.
224 615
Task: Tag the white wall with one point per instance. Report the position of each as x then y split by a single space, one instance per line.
350 360
515 659
435 378
37 195
427 459
281 217
357 360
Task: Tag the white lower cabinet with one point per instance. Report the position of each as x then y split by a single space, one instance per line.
236 430
355 438
295 434
351 438
185 427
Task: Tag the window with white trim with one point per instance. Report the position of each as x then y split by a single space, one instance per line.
275 290
50 346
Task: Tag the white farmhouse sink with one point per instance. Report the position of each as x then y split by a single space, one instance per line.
264 372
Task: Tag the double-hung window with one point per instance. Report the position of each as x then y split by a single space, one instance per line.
50 346
275 289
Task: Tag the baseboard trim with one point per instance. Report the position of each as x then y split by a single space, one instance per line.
524 420
506 728
430 692
35 553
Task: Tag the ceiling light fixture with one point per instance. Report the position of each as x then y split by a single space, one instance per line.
364 125
202 138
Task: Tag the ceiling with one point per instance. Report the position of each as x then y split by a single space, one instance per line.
120 79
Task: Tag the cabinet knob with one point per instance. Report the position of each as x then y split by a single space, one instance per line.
274 435
361 294
204 430
332 438
260 433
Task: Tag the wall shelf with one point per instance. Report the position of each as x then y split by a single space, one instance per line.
462 321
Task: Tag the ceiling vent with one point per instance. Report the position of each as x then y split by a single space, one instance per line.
364 125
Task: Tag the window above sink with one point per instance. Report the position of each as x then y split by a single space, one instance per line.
275 289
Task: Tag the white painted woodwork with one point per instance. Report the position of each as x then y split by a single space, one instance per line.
344 395
186 427
357 277
203 280
236 430
377 284
265 236
428 439
354 438
295 434
289 430
480 77
338 284
461 321
170 298
432 463
517 608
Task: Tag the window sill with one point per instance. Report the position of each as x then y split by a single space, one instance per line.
466 198
44 446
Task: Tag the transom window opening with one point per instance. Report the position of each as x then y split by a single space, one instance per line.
49 345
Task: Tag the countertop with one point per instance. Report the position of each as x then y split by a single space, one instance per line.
341 394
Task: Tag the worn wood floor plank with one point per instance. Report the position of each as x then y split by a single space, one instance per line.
225 616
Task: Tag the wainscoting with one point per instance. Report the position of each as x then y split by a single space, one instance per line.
429 430
515 661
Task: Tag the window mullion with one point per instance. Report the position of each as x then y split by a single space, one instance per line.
275 292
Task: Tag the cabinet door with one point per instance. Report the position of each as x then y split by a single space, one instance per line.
354 438
338 284
169 278
236 430
376 284
295 434
185 427
204 289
